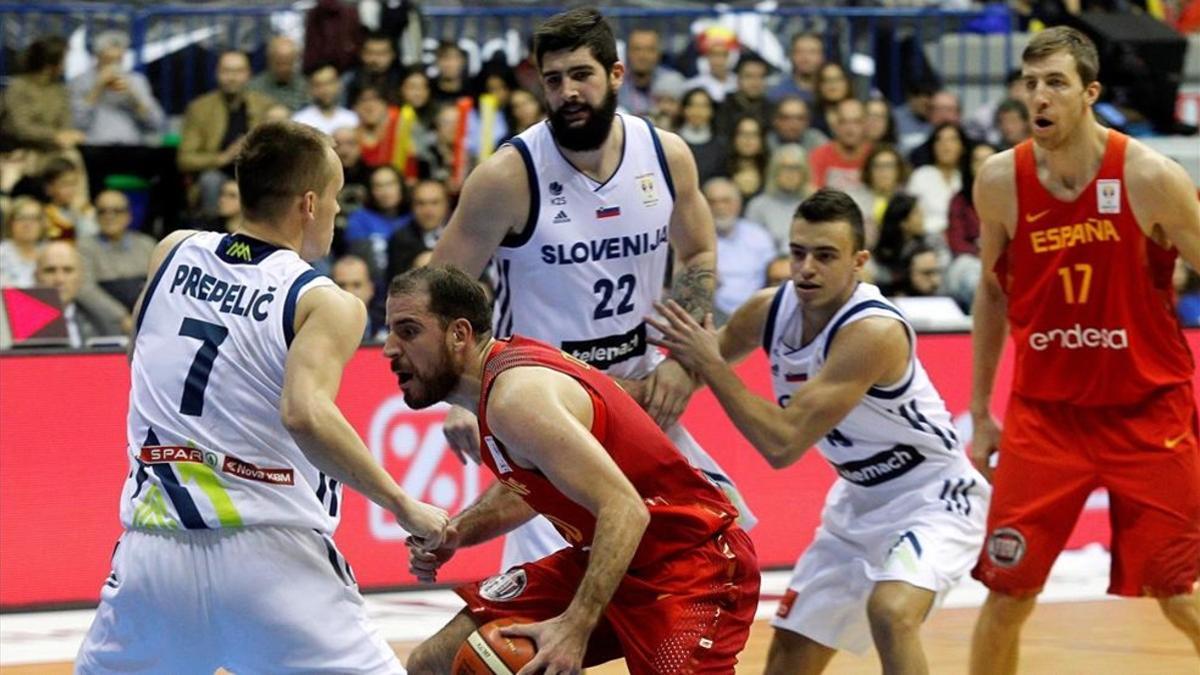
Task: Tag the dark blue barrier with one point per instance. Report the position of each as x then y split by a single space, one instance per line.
177 46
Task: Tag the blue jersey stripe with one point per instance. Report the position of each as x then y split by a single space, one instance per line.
768 336
535 198
180 498
158 274
289 304
662 158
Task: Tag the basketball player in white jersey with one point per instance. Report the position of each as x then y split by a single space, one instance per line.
237 452
580 213
905 519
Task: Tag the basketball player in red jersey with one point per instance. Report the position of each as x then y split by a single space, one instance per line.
1080 229
673 585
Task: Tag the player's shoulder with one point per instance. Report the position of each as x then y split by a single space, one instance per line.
999 170
1149 167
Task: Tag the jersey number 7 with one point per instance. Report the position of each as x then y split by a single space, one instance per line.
211 336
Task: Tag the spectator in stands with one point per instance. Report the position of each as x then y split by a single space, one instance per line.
962 234
430 211
369 229
59 266
278 112
982 122
667 97
743 248
643 68
779 270
352 275
807 55
450 83
355 173
716 46
1011 124
791 122
879 125
1187 290
63 183
36 110
116 259
750 97
376 126
416 90
526 110
695 125
379 70
902 231
325 113
787 186
912 118
281 81
497 80
747 164
439 157
112 105
833 87
838 164
934 184
215 124
884 173
333 34
944 109
923 275
20 243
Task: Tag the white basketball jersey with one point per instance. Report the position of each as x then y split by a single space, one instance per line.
592 258
897 439
207 446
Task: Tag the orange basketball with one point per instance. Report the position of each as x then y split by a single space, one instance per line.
487 652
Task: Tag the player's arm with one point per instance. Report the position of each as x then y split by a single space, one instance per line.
783 435
329 325
694 241
995 201
157 258
544 417
692 233
497 512
488 209
1163 197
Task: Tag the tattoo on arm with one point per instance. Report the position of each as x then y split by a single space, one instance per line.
693 289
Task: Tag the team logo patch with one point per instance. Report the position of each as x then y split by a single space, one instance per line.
785 604
556 188
1006 547
1108 195
504 586
649 194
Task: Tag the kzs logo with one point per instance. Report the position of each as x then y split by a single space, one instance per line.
411 446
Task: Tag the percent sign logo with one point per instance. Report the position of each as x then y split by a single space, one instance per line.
410 444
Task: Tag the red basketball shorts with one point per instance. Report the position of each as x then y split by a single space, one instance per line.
1053 455
690 613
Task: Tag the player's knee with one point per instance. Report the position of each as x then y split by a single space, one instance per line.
1183 611
895 613
1008 610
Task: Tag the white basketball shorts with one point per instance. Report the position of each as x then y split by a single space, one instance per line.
250 600
928 538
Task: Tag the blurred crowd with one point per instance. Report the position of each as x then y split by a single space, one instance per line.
409 134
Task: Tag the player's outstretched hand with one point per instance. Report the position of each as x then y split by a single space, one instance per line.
425 522
462 433
985 443
668 390
561 644
424 563
693 345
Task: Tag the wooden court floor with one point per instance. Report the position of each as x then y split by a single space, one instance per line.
1126 637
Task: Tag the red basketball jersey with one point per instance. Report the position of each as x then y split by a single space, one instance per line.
685 508
1090 301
